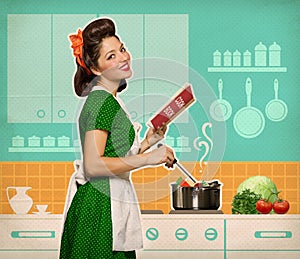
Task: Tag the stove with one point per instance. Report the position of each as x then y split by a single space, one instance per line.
144 212
196 212
211 234
151 212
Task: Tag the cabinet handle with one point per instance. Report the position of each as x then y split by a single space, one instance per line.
61 113
33 234
41 113
273 234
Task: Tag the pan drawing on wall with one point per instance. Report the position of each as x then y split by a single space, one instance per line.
249 122
220 110
276 109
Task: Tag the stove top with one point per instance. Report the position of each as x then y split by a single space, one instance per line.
183 212
151 212
196 212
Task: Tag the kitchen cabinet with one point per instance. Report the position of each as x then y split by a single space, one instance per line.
44 90
263 234
130 29
166 70
64 101
167 236
30 236
39 72
29 68
220 236
156 43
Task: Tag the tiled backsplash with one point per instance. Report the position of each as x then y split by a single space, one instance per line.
49 182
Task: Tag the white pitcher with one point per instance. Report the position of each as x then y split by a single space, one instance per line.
21 203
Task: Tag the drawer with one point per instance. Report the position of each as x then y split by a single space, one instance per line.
263 234
30 234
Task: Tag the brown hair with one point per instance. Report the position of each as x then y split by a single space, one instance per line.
93 35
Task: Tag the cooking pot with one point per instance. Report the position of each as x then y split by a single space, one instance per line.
196 198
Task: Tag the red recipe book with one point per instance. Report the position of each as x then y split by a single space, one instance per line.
177 104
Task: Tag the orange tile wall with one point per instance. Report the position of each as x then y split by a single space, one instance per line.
49 182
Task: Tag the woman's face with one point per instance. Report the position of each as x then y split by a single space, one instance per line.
114 60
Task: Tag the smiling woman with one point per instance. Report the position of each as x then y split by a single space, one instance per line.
98 54
114 62
103 219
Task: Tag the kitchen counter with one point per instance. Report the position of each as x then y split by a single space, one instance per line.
30 236
221 236
167 236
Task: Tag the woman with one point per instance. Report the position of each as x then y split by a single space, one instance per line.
103 219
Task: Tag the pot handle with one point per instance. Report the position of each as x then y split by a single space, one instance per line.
7 194
195 191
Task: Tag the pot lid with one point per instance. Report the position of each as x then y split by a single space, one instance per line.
18 138
48 138
34 138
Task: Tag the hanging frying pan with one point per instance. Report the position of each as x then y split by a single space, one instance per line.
220 110
276 110
249 122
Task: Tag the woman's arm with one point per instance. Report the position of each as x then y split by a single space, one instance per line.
96 164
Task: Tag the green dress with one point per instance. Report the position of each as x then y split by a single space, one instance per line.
88 226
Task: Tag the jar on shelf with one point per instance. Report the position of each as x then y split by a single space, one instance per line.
217 58
48 141
170 141
182 141
34 141
18 141
247 58
260 55
274 55
227 58
63 141
236 58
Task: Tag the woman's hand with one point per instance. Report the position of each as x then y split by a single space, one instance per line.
155 135
152 137
163 154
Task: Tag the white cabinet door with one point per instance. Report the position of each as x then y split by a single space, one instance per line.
30 234
130 29
65 103
41 65
263 234
166 53
29 68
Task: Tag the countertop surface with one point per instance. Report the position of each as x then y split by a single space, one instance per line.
165 216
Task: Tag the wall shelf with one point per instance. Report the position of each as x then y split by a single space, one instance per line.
247 69
182 149
44 149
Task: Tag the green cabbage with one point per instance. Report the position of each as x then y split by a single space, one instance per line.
260 185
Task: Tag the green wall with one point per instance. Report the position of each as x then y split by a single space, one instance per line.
200 28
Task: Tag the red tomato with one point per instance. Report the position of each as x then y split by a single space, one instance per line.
198 185
184 184
264 206
281 206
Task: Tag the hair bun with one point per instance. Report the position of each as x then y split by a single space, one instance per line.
100 28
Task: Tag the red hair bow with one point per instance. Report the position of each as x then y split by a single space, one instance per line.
77 44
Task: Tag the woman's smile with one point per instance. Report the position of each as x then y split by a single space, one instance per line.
114 60
124 66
